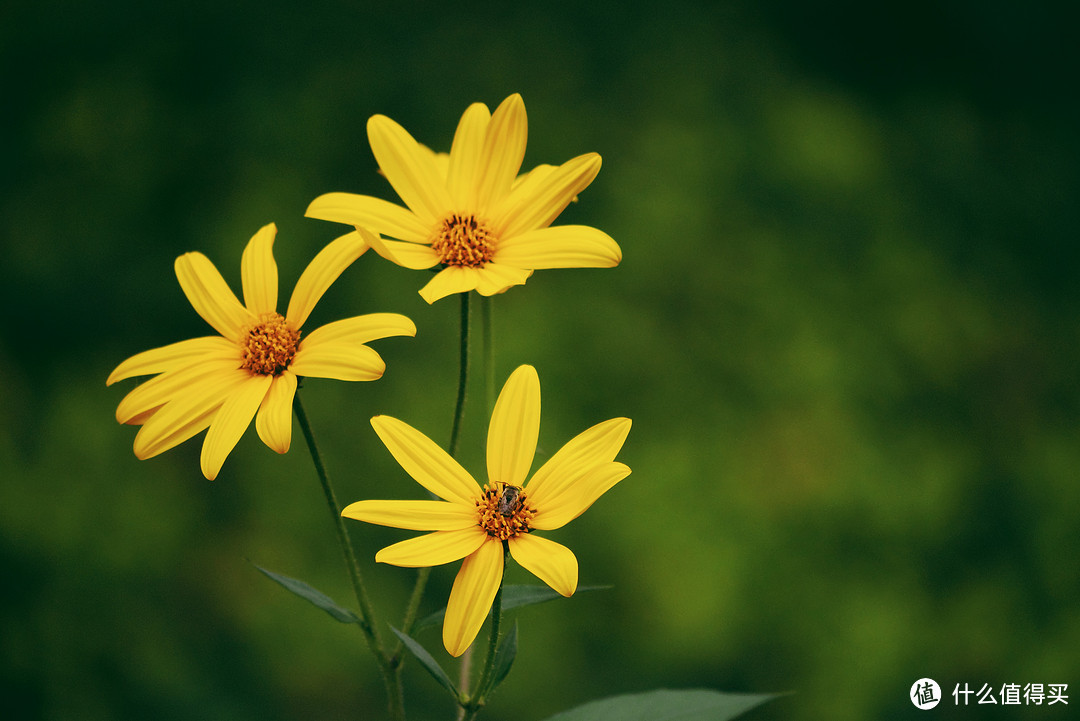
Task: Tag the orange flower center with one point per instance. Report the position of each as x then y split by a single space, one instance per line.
503 511
269 346
464 241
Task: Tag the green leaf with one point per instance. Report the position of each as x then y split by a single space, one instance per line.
428 661
666 705
504 659
513 597
313 596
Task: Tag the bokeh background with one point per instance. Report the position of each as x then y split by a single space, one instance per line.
845 327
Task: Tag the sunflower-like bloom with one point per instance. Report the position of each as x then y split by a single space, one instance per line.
251 368
474 523
470 214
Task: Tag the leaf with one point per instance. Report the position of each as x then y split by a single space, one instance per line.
313 596
504 659
428 661
513 597
666 705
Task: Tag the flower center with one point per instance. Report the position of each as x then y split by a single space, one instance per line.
269 346
464 241
503 511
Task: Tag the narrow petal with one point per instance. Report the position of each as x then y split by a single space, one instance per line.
502 152
430 466
514 428
210 296
375 214
341 361
158 391
553 563
465 154
415 516
470 598
555 511
258 272
274 420
323 270
231 422
433 549
451 280
496 278
360 329
538 199
560 246
412 173
187 414
174 356
414 256
593 447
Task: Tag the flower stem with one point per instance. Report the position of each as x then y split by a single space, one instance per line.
489 352
479 698
391 670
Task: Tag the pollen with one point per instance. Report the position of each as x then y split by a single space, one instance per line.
500 519
269 346
464 241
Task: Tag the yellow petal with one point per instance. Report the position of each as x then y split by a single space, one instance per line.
210 296
375 214
539 198
274 420
465 154
258 272
174 356
497 278
341 361
553 563
415 256
158 391
323 270
412 172
470 598
502 152
360 329
560 246
593 447
555 511
514 428
425 462
433 549
231 421
415 516
187 413
448 281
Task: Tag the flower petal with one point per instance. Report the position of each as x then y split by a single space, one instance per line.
375 214
231 421
158 391
415 516
502 152
433 549
414 256
497 278
322 271
538 199
174 356
454 279
274 420
465 154
470 599
555 511
341 361
210 296
593 447
560 246
553 563
514 428
412 172
258 272
430 466
360 329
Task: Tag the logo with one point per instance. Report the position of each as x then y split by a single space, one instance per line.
925 693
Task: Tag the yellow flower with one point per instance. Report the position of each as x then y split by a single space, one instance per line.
474 523
221 382
470 214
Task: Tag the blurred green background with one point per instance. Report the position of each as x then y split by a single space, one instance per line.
845 327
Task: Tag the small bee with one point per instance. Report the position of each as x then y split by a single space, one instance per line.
509 500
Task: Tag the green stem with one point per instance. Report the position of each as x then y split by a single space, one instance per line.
489 352
474 704
391 670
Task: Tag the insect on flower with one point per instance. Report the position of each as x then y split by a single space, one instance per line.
509 500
